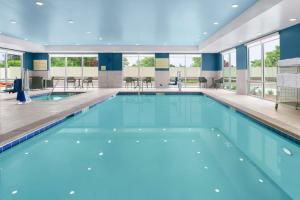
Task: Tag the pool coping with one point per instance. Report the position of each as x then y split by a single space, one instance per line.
25 135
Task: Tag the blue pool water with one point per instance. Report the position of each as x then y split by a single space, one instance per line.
153 147
55 96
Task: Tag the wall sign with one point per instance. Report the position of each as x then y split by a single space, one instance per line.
40 65
162 62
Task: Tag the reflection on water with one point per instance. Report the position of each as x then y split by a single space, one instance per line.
153 147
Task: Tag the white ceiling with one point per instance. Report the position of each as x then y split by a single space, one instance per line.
254 24
265 17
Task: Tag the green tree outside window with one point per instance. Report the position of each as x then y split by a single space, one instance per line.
271 59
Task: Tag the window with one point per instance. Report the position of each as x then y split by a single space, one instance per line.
229 70
189 67
74 69
10 67
14 64
263 57
83 68
58 61
90 68
57 70
2 66
139 68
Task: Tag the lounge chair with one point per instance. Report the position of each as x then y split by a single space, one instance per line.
71 80
88 80
218 83
148 80
202 81
173 81
128 80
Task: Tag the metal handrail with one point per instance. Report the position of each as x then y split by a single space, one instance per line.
54 86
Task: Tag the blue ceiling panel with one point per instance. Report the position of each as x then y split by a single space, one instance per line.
117 22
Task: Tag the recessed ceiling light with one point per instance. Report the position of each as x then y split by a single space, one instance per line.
88 32
258 33
204 33
234 5
39 3
13 21
292 19
100 38
136 44
26 39
216 23
240 41
70 21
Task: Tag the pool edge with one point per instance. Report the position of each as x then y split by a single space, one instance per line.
44 127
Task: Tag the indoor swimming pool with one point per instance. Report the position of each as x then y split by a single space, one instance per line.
153 147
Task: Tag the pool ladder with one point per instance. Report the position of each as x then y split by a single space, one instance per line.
54 86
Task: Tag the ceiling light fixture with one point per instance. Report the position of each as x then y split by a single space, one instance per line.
70 21
292 19
13 21
240 41
204 33
26 39
234 5
100 38
39 3
88 32
216 23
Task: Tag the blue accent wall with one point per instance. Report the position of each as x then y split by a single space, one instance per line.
162 55
211 61
290 42
112 61
28 59
241 57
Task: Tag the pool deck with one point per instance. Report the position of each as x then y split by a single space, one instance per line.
18 120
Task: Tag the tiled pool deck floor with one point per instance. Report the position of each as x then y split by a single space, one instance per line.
17 120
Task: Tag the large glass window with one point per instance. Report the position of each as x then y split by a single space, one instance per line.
229 70
75 70
90 69
263 58
271 57
58 70
138 69
10 68
189 67
255 70
14 66
2 66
